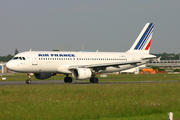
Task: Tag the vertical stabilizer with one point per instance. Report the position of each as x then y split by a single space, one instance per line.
143 41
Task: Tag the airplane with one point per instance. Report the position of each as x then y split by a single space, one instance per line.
83 65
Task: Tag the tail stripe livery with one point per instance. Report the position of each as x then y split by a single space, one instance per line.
143 41
145 37
148 46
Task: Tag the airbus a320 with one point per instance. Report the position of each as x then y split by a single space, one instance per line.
83 65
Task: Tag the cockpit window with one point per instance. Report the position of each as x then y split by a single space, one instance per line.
19 58
15 58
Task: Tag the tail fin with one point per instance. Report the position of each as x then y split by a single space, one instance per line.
143 41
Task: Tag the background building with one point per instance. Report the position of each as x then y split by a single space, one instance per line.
165 63
3 68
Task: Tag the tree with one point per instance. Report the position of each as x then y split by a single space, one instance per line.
6 58
9 57
16 51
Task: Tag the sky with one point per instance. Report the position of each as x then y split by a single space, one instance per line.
104 25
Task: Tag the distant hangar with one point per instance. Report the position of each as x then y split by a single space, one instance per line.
3 68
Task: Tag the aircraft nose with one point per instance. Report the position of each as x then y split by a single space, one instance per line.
10 65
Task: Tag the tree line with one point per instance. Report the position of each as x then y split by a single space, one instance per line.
168 56
8 57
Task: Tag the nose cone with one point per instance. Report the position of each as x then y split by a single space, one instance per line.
10 65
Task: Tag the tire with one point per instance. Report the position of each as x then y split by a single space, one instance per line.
28 81
94 80
91 80
68 80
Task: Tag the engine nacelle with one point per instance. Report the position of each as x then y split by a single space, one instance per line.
43 75
81 73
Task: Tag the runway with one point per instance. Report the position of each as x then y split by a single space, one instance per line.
41 82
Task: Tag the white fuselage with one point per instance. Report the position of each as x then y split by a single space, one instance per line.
59 62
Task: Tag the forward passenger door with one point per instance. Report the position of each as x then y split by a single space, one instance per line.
34 59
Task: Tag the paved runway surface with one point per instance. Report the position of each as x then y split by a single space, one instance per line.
40 82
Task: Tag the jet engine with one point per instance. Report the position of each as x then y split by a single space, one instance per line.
81 73
43 75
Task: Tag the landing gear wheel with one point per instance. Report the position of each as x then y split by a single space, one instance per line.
68 79
91 80
28 81
94 80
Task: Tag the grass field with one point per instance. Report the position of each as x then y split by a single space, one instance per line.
144 101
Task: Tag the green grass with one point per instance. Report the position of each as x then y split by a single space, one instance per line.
144 101
92 101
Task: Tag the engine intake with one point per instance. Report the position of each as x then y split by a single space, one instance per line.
81 73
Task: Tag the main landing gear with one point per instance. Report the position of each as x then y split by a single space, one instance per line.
94 80
68 79
28 81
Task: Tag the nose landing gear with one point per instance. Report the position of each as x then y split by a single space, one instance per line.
28 81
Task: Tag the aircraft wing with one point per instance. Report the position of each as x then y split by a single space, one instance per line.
115 64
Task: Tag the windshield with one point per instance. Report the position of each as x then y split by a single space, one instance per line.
19 58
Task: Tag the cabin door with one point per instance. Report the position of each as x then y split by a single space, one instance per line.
34 59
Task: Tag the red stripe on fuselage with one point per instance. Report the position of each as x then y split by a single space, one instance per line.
148 46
